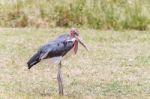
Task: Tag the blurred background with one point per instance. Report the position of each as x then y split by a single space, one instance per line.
97 14
117 33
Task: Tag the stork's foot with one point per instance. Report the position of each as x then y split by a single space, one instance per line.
61 93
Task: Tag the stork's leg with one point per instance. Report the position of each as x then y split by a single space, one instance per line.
59 78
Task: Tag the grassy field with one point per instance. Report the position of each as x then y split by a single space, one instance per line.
117 65
98 14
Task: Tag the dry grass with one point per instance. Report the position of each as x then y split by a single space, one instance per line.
98 14
117 65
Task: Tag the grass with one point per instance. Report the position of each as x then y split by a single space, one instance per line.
117 65
98 14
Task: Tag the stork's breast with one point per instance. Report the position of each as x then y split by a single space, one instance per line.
72 51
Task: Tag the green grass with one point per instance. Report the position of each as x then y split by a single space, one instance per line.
117 65
98 14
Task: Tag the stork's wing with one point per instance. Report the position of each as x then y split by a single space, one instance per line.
58 47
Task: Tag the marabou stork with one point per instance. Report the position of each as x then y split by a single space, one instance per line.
57 50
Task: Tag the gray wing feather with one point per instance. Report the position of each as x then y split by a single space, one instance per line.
58 47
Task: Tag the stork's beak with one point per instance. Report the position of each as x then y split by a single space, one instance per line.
81 42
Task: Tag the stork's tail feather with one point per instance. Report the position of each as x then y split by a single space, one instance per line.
34 60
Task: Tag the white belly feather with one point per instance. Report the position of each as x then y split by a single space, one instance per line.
56 60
